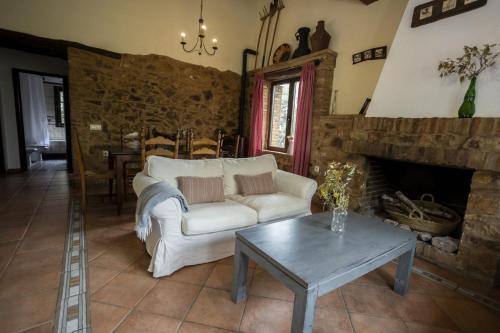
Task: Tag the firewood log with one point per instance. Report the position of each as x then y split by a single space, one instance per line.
396 203
411 205
437 212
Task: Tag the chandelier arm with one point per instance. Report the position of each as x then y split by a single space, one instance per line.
194 47
207 52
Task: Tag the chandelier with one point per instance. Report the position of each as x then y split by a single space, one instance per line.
199 46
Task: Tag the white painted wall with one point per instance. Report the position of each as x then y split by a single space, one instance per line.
410 86
140 26
15 59
354 27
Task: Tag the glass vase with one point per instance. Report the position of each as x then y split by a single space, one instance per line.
339 216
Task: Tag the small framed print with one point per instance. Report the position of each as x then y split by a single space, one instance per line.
439 9
368 54
380 52
448 5
426 12
357 58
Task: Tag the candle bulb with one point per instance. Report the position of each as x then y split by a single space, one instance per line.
203 27
183 35
214 41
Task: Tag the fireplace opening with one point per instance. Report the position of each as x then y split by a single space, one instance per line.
449 186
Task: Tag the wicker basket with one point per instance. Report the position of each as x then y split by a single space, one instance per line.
439 226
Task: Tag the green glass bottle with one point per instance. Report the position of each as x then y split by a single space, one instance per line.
468 107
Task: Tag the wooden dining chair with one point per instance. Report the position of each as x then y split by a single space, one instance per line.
159 146
230 145
205 148
86 174
129 140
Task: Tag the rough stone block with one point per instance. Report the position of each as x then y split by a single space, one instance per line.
447 244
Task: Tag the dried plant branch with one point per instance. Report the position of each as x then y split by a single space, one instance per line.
474 61
334 190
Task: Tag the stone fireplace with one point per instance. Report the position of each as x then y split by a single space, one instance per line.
457 160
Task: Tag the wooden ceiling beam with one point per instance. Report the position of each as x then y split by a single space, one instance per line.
57 48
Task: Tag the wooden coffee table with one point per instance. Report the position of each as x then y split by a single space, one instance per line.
311 260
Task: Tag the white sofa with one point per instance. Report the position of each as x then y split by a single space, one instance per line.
206 232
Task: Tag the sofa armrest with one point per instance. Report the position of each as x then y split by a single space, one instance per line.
167 213
296 185
141 181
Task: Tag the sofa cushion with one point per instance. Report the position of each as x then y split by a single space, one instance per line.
258 184
246 166
274 206
212 217
201 189
168 169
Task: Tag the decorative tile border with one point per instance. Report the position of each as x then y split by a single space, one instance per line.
73 309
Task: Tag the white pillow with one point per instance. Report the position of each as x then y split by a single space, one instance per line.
168 169
246 166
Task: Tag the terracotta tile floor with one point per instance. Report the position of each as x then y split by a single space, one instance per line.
125 298
33 219
196 299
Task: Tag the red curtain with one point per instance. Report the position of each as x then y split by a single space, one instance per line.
303 127
255 144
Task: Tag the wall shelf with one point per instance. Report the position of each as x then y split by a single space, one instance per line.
297 62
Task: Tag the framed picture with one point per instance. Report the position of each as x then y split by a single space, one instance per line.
371 54
380 52
448 5
357 58
439 9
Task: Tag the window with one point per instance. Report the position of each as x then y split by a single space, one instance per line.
59 105
281 114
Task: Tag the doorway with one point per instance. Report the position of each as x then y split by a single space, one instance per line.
43 118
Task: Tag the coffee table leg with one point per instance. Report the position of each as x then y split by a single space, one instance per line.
240 270
403 273
303 310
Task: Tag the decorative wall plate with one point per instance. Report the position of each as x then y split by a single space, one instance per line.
282 53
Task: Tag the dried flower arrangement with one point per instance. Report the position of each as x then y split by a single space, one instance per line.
474 61
334 190
469 66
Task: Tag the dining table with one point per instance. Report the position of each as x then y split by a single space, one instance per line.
117 160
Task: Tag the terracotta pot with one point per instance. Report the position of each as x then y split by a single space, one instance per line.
320 39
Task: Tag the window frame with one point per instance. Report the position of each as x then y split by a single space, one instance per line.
59 116
291 96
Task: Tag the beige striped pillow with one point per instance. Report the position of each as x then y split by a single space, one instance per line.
201 189
257 184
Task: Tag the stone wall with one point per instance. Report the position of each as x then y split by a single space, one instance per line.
150 90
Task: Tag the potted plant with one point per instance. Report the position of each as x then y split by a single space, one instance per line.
468 67
335 193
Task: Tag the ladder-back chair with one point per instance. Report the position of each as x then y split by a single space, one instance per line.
159 146
89 174
205 148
